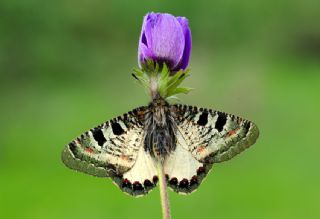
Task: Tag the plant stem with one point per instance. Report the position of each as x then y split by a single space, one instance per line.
163 192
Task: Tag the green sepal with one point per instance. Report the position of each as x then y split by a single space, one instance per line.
179 90
158 80
141 77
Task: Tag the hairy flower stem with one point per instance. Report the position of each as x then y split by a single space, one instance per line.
163 192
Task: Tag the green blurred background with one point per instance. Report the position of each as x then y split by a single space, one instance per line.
65 67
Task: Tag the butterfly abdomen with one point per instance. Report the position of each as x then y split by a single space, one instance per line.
160 139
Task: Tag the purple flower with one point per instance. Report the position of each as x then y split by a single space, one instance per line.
165 38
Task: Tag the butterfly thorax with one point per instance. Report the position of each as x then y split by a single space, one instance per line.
160 137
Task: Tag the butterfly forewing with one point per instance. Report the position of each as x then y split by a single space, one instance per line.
111 150
213 136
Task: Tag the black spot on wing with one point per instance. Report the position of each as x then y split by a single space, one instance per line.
173 181
221 121
126 184
116 129
98 136
148 184
184 184
203 119
155 179
247 126
72 147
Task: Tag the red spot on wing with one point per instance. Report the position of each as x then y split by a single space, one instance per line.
232 132
200 149
89 150
124 158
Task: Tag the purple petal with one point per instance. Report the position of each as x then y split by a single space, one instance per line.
143 51
164 35
144 54
188 43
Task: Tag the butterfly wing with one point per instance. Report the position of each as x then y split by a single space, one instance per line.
209 137
115 149
214 136
183 171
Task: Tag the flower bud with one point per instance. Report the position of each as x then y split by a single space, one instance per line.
165 38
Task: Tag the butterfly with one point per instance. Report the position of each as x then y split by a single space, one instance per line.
187 140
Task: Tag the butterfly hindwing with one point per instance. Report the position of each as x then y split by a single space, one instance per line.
213 136
183 171
111 150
